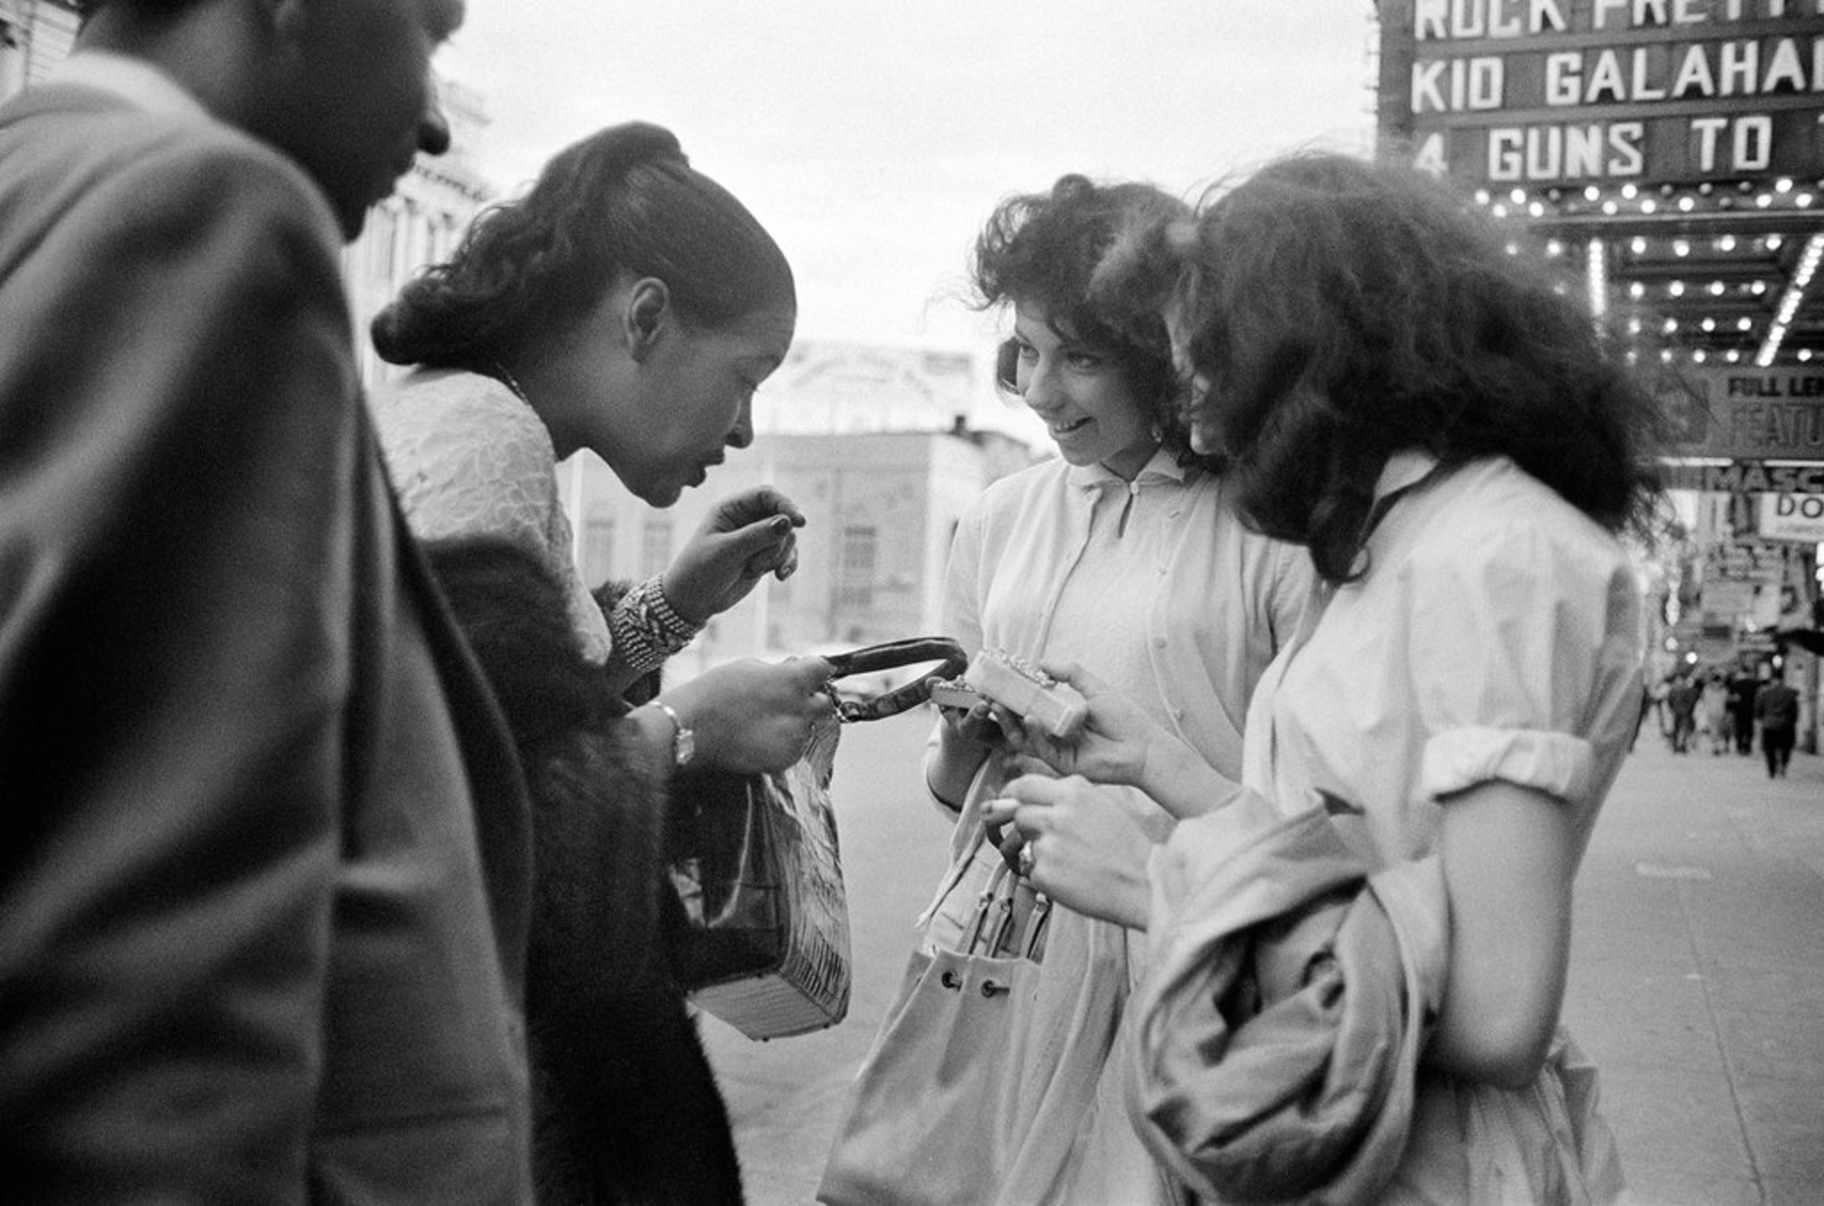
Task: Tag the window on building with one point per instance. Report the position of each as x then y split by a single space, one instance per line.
855 569
598 550
655 546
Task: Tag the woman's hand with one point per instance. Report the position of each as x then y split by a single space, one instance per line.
1085 850
752 716
1119 743
974 724
1115 744
746 537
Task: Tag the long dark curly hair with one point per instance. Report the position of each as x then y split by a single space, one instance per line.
1341 310
1043 248
623 200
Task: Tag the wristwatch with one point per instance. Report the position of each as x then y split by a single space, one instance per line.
683 737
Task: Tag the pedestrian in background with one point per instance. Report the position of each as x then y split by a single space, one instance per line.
1713 713
1776 711
1742 688
1681 700
263 909
1458 447
630 306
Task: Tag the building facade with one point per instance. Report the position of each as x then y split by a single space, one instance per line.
420 224
35 35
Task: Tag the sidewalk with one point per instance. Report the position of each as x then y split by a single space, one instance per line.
1696 984
1697 976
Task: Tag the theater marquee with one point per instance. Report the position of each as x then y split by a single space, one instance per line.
1536 93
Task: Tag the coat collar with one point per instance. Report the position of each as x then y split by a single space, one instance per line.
133 80
1163 467
1405 468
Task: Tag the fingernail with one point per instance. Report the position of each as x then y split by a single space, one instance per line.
782 524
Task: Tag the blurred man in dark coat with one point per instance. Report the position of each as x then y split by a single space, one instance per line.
257 940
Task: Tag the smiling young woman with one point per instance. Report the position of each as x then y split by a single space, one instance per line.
1122 553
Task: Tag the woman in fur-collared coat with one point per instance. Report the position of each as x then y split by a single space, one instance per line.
626 1107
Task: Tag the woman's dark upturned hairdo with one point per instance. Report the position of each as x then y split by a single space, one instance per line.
1342 311
1044 248
623 200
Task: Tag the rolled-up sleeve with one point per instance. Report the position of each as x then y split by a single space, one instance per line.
1520 643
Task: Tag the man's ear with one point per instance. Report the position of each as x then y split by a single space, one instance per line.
647 315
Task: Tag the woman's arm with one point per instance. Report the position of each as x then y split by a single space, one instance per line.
1508 855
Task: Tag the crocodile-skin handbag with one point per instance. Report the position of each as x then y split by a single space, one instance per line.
764 939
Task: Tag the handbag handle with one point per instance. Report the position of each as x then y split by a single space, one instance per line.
950 656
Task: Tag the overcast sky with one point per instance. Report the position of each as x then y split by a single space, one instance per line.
872 137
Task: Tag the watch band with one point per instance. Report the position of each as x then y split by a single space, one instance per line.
683 737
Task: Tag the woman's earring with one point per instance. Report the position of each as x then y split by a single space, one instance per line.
1158 432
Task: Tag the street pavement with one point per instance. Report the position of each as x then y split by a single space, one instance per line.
1696 985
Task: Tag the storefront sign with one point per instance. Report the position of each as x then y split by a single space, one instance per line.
1727 599
1746 477
1533 93
1797 517
1757 413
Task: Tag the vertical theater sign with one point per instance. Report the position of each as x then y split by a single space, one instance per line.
1670 155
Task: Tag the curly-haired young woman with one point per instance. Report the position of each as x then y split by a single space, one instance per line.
1459 446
